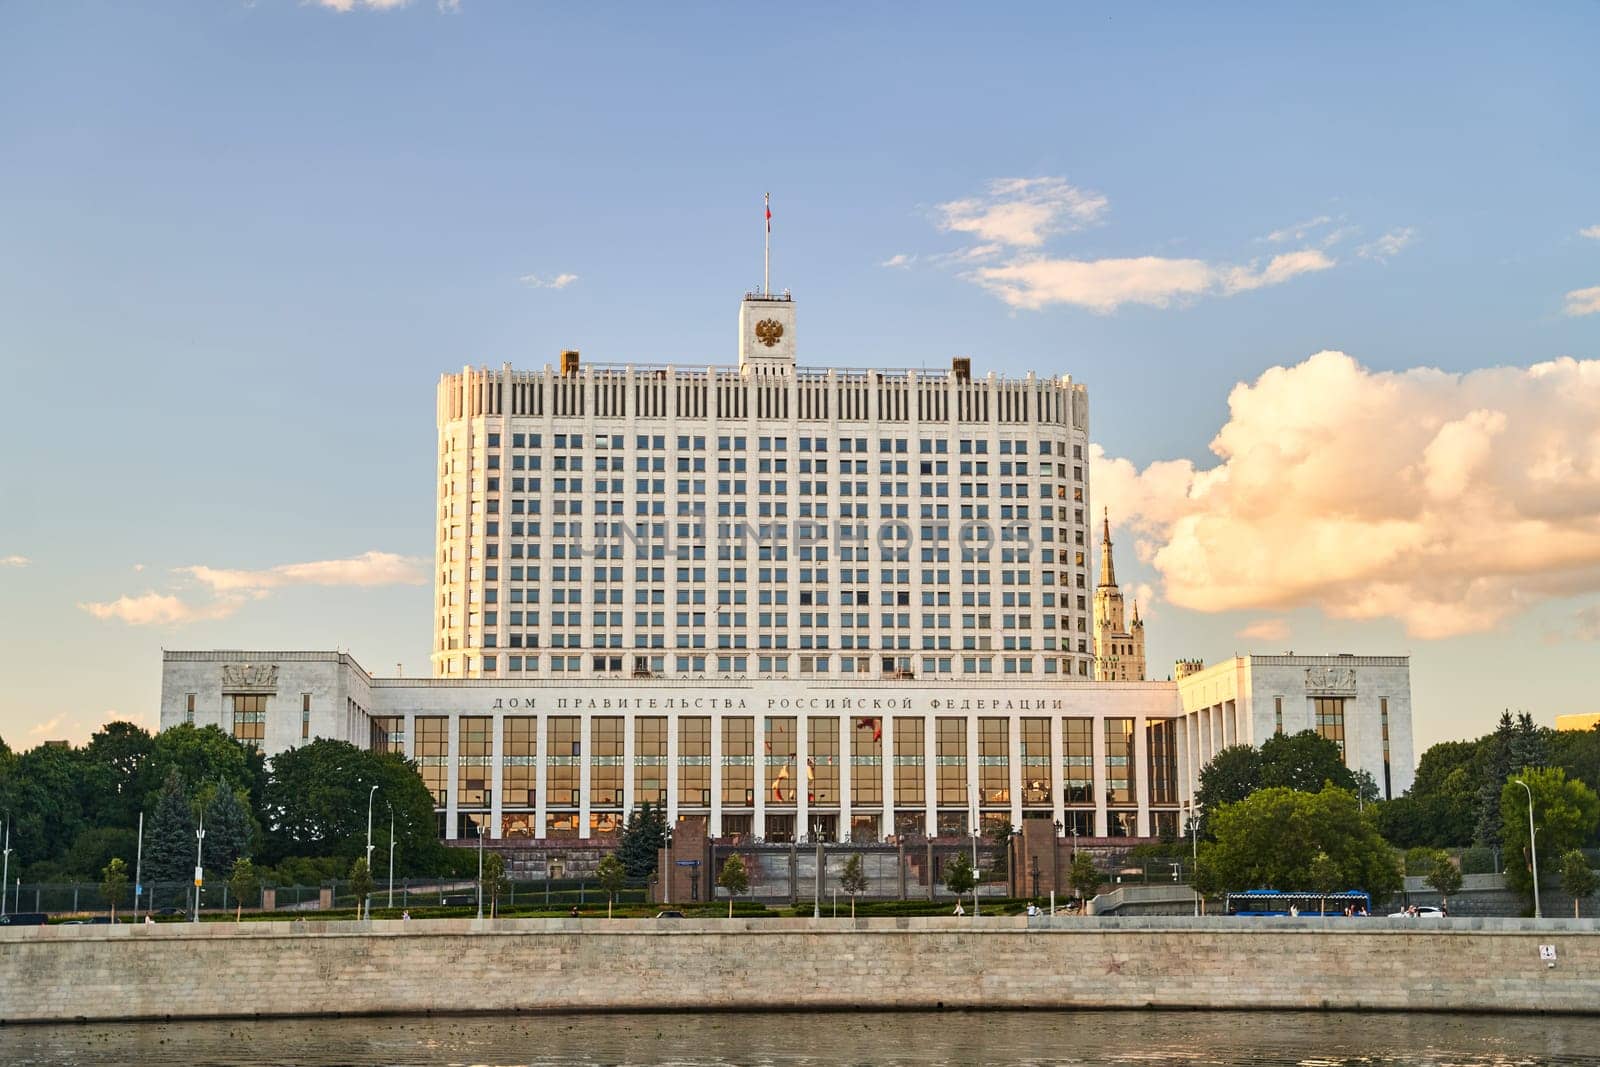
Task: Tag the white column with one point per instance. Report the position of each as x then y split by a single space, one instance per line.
1141 774
1014 766
629 752
1058 772
585 757
1101 826
974 798
759 777
802 784
541 773
930 769
886 824
1181 754
496 772
452 771
672 771
715 829
846 772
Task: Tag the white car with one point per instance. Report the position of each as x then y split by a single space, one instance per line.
1425 912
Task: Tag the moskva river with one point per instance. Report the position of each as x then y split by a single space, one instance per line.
920 1039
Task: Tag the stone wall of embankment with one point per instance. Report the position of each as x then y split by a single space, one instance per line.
310 968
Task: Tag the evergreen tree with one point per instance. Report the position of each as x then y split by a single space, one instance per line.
1497 767
228 829
169 837
1529 746
642 838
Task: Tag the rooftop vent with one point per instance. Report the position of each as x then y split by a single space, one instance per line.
961 368
569 361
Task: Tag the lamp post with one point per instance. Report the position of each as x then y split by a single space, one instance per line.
1194 841
199 866
975 878
366 908
5 867
138 869
1533 848
816 896
480 870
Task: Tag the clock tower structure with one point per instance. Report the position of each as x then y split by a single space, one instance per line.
766 322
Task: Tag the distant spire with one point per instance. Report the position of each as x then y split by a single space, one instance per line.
1136 621
1108 571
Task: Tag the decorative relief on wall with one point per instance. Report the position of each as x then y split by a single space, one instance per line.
1338 680
256 676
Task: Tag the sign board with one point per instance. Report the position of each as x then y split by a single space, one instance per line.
1547 952
688 863
199 876
138 890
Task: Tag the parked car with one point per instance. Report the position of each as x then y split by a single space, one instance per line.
1426 911
669 914
24 918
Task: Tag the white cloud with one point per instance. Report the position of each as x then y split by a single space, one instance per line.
559 281
1266 630
1299 231
343 6
1022 212
899 259
1389 245
1591 232
156 609
234 588
450 7
1588 620
367 569
1103 285
1584 301
15 561
1449 502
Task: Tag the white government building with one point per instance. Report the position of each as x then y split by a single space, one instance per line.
792 603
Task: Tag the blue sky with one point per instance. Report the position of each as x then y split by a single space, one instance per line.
243 240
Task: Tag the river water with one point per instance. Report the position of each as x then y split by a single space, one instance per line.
1211 1039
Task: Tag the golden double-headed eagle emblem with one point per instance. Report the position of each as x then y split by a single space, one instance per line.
769 331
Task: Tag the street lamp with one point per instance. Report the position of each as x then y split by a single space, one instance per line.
1194 841
5 867
816 896
974 829
480 870
1533 848
199 866
367 903
391 855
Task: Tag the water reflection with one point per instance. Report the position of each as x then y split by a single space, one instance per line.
869 1039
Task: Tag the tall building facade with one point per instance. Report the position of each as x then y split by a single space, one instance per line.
760 520
1118 648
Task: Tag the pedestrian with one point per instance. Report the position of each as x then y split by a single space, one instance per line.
574 911
959 909
148 921
405 916
1294 911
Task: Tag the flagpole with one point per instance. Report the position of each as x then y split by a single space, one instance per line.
766 271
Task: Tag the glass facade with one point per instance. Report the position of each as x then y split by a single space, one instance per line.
249 718
994 762
694 762
950 739
783 785
1161 754
910 766
738 764
518 772
1077 760
822 765
1119 762
563 753
605 764
1036 775
1330 720
650 760
866 766
431 750
474 746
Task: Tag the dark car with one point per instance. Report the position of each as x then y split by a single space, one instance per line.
169 911
24 918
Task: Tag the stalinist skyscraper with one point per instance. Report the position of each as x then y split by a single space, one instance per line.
1118 649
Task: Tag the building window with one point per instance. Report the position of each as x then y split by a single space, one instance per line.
694 762
910 777
650 760
1277 715
1119 763
950 739
563 755
389 733
250 718
431 750
1077 760
473 747
1161 753
1330 720
188 709
866 763
781 751
1036 763
738 763
823 765
605 766
518 769
1383 721
994 762
305 715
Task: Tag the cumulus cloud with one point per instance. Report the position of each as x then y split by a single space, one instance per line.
1103 285
1022 212
1389 245
1591 232
233 588
1450 502
15 561
1300 230
536 281
156 609
1266 630
1584 301
899 259
343 6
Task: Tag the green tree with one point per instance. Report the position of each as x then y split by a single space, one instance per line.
41 791
1083 876
1492 768
206 754
853 880
734 878
114 885
1445 878
244 883
960 877
612 876
1271 838
115 774
1303 761
229 827
1530 743
495 882
1565 812
1578 879
1230 776
95 847
169 845
316 805
1323 876
360 880
642 840
1367 787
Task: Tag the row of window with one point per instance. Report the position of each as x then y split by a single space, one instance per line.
740 443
